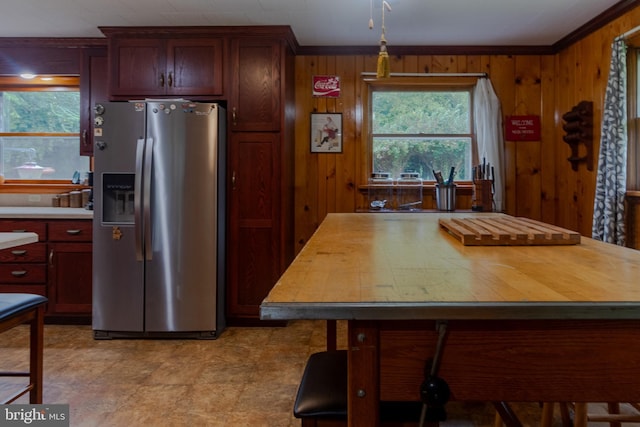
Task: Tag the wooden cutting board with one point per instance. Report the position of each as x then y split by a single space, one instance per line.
507 230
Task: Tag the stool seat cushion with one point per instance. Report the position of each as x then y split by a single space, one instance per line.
14 304
323 389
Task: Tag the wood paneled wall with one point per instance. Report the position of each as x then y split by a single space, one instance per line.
540 183
582 71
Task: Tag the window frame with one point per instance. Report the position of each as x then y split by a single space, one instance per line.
633 117
414 83
57 83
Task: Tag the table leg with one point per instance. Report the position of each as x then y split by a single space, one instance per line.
35 355
547 414
580 417
508 417
364 385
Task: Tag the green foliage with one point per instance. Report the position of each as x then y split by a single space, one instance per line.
41 112
57 112
416 131
423 156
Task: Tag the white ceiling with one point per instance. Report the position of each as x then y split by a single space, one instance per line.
318 22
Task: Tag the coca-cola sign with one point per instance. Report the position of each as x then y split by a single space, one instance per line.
326 86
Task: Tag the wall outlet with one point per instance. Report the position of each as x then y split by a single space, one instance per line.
34 197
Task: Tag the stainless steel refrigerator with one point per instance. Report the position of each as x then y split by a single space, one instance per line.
159 219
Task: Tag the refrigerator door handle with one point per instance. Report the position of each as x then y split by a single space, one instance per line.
137 191
148 162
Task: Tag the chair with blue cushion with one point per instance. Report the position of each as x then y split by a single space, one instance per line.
17 309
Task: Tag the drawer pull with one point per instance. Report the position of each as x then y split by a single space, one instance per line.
19 231
73 232
19 273
19 252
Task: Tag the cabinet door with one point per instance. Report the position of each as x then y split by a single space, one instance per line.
255 86
138 67
254 250
194 67
93 88
70 278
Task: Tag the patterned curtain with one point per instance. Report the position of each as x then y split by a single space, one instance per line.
488 122
608 209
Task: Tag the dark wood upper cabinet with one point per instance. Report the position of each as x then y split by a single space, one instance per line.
255 103
165 66
194 66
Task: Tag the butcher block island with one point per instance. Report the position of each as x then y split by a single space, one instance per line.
58 265
531 323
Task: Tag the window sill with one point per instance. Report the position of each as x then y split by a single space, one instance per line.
39 187
462 188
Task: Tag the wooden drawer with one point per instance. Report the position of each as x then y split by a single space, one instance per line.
38 227
70 231
34 252
23 273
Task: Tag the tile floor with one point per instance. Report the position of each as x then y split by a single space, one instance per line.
247 377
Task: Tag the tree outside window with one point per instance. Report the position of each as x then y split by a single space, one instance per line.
422 131
39 134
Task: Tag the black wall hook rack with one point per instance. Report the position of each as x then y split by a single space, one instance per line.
578 129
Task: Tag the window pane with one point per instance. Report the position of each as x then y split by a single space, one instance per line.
421 112
40 112
33 157
423 155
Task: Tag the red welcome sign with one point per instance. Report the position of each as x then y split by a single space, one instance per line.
326 86
522 128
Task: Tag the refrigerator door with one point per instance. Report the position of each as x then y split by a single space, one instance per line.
118 278
181 266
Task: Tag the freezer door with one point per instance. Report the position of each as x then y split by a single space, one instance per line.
118 278
181 271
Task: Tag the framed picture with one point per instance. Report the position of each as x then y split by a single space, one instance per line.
326 132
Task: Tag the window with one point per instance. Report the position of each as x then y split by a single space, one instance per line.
422 129
39 129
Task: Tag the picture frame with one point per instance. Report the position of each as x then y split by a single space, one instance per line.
326 133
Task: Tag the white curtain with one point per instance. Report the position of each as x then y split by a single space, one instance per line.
608 208
488 123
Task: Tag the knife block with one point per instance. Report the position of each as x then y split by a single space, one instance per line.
482 197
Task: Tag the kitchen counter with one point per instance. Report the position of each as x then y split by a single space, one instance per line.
10 240
43 212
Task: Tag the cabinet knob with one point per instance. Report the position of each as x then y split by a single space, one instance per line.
19 252
170 80
161 79
233 115
19 273
73 232
84 137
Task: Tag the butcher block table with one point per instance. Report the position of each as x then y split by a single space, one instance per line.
519 322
